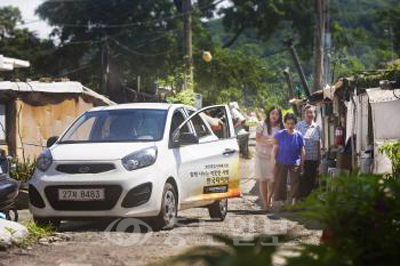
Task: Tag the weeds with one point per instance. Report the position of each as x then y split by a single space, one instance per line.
35 233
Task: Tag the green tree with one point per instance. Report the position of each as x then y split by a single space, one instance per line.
128 37
236 76
268 17
23 44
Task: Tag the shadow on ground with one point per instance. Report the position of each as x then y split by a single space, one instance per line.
296 216
135 225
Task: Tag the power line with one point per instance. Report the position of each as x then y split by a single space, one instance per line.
82 67
136 52
144 41
139 23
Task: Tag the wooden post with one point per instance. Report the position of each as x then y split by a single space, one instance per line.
289 81
11 127
187 24
318 82
296 61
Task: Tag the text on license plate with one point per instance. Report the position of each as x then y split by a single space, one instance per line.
81 194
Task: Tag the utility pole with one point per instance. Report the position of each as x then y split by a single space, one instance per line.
289 80
327 45
105 66
391 42
288 76
187 25
289 44
318 81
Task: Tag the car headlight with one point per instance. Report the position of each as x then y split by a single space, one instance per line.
44 161
140 159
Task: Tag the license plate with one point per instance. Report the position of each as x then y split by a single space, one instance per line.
81 194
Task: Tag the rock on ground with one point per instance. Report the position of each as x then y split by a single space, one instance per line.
11 232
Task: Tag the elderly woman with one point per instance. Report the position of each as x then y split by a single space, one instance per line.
288 155
312 137
264 141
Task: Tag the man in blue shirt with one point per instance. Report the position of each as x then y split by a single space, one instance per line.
289 153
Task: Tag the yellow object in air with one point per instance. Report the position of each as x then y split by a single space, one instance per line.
207 57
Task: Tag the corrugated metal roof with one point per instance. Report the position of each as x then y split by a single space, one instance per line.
37 86
52 87
378 95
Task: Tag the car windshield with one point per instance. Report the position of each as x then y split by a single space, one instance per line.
126 125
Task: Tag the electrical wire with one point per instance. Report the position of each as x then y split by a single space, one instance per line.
125 48
84 66
139 53
107 26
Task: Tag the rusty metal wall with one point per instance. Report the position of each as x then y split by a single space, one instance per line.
35 124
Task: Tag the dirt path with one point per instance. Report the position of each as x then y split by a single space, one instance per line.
89 244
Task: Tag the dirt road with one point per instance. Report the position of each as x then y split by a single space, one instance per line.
90 243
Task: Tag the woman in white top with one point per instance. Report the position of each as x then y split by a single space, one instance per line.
263 164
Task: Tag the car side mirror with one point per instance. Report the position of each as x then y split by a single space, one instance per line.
187 138
51 141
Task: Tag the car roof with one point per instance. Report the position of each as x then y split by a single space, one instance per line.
154 106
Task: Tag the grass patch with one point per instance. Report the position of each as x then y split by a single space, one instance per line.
35 233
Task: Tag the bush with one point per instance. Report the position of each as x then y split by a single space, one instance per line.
183 97
361 216
392 151
23 171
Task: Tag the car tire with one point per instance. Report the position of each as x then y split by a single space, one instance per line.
218 210
169 209
44 222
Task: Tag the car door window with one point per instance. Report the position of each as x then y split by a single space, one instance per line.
200 127
217 120
177 119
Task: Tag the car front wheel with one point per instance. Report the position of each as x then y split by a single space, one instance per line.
218 209
169 206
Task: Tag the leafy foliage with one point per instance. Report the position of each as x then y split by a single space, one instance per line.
392 151
23 171
271 16
360 32
362 220
388 18
130 38
184 97
144 38
24 44
237 76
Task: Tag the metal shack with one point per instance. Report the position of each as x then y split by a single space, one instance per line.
359 114
374 117
31 112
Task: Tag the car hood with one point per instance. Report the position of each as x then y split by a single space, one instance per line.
96 151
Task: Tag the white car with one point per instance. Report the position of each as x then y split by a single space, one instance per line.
138 160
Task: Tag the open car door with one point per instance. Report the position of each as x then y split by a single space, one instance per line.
208 156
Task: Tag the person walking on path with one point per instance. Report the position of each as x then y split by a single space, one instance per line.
312 140
263 164
288 157
238 121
